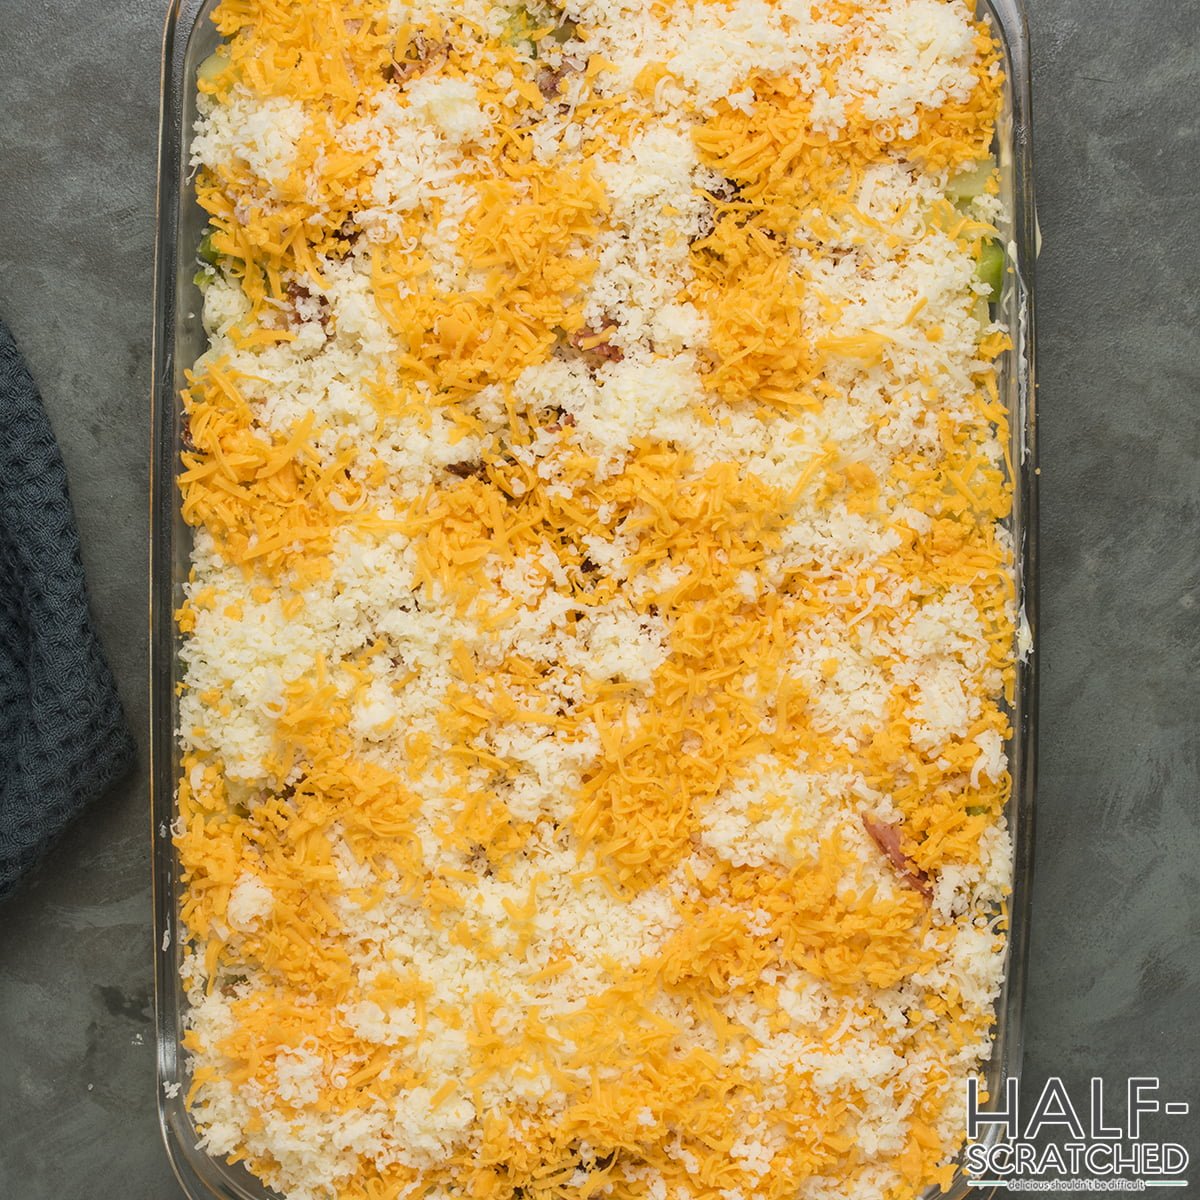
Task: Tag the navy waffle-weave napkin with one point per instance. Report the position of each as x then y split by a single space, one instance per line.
63 738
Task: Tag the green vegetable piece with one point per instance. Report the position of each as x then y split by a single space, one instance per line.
977 810
207 250
203 278
990 269
564 31
212 66
517 29
972 182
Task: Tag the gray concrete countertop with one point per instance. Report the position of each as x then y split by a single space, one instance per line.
1114 979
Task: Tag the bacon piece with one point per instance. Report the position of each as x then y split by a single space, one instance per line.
300 297
594 345
549 82
562 420
723 192
887 837
421 54
550 79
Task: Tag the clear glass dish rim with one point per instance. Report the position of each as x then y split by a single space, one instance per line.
204 1177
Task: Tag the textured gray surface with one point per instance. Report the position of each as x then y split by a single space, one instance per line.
1114 985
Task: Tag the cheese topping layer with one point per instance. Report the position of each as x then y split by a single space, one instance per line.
600 628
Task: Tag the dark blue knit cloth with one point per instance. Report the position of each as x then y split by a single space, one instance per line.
63 738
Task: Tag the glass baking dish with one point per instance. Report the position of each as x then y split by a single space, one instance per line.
179 339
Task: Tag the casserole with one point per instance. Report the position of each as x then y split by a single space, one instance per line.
180 341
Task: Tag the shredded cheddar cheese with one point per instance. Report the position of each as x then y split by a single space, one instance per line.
601 622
